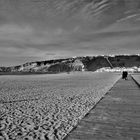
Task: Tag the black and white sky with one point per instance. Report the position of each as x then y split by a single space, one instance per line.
33 30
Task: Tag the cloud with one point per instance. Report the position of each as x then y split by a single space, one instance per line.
47 29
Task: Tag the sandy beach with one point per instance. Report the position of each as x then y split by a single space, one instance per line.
48 106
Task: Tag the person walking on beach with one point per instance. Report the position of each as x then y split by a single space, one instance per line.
124 75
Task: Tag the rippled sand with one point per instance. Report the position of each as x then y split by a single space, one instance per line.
47 107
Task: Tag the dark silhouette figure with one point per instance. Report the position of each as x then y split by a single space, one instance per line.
124 75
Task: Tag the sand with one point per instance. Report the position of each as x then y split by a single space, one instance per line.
47 107
136 77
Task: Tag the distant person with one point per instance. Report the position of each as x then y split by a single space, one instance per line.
124 75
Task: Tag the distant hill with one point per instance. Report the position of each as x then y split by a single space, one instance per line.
88 63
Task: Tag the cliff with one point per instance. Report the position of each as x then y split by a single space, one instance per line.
88 63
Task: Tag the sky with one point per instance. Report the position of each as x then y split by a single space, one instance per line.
34 30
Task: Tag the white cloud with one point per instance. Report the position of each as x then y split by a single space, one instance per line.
128 17
15 29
